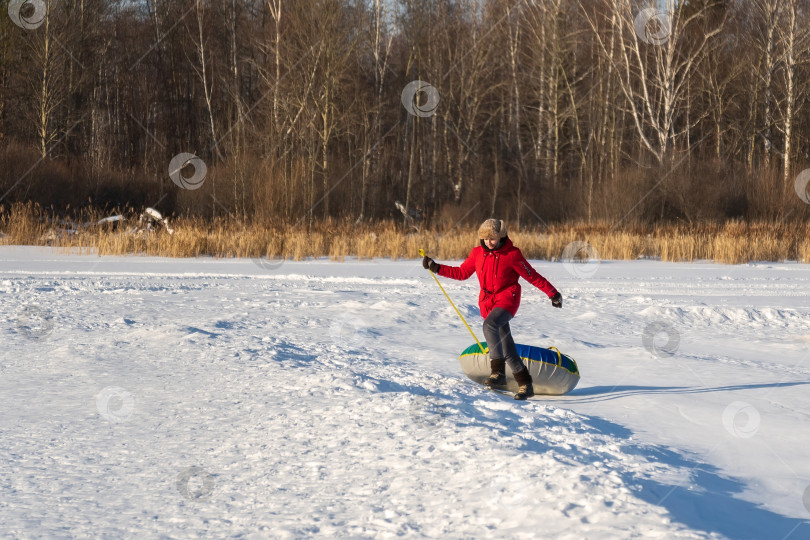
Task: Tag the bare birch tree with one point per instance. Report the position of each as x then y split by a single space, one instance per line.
48 86
656 61
202 69
794 38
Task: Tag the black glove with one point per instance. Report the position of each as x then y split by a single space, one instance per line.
556 300
430 264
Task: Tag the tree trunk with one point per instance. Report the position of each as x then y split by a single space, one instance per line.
790 87
207 89
770 66
46 95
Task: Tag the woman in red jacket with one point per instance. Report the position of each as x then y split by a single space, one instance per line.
498 265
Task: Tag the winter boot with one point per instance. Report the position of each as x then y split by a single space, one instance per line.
498 375
525 388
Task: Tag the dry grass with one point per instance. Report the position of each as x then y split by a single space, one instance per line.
730 242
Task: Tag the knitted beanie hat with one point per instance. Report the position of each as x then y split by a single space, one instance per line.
492 228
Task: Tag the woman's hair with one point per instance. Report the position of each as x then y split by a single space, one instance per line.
492 228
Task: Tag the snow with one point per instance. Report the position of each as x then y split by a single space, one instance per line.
149 397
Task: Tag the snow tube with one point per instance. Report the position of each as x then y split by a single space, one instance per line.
553 373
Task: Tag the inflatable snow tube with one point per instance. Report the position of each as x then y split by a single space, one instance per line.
553 373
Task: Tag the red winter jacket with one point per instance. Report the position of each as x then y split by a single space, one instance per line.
498 272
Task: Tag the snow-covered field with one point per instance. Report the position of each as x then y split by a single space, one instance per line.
144 397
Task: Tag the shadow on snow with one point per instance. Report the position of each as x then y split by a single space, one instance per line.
709 503
604 393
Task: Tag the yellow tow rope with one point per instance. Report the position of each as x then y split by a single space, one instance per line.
423 254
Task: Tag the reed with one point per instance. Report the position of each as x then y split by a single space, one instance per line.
731 242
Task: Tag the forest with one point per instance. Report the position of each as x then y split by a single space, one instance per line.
426 113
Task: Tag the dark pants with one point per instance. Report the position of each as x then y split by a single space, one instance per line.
499 339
